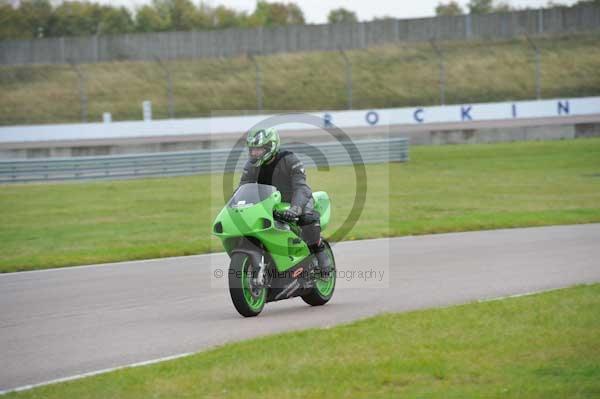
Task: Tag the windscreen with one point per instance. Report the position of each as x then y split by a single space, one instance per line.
250 194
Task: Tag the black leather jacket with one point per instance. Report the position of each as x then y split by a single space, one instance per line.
286 172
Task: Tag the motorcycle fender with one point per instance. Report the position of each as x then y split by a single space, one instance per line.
252 250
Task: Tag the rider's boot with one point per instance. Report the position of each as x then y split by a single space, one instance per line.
323 259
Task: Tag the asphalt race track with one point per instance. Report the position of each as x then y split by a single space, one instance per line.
64 322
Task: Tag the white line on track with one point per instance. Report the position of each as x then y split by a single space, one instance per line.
123 263
97 372
500 298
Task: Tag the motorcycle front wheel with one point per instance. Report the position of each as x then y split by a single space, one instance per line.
248 300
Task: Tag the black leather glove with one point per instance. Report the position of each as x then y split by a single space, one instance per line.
292 213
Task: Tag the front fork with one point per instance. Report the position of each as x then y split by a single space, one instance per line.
259 280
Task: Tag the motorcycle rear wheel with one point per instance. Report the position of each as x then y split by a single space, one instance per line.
323 289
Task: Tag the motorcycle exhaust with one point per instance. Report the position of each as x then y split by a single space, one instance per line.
289 290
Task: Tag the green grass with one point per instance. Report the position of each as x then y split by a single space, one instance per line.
541 346
442 189
405 74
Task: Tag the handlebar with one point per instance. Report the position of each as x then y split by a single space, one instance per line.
281 216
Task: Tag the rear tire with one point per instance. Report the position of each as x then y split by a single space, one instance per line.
323 289
246 303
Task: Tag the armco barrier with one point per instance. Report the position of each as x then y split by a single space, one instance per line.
197 162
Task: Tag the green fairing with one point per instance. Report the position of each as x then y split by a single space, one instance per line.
256 221
322 205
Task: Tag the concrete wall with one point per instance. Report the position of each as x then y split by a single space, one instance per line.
235 42
433 134
178 129
452 124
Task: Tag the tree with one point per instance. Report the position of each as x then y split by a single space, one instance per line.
295 16
115 20
342 15
183 15
204 17
503 7
449 9
179 13
74 18
39 18
487 6
276 14
12 24
148 19
37 14
224 17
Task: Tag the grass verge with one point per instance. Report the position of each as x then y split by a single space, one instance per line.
541 346
399 75
442 189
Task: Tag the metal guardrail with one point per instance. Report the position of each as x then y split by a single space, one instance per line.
196 162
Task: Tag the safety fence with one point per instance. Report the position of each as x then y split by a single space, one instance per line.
196 162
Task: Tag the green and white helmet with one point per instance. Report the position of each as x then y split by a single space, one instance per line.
263 145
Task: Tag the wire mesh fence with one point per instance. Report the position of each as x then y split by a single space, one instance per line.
392 75
296 38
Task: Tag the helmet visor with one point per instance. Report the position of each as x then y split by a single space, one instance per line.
256 153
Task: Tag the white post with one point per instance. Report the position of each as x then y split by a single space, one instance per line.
147 110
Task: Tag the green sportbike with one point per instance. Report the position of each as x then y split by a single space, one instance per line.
269 261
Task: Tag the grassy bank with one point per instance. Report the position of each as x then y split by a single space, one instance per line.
442 189
542 346
388 76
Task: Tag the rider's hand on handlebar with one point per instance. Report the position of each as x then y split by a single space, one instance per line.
292 213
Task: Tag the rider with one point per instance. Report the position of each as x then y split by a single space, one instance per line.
282 169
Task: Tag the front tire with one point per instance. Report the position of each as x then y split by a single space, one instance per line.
323 289
248 300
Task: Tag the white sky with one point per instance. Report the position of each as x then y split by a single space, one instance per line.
315 11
